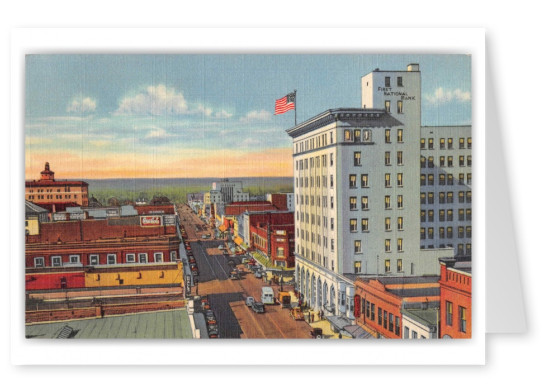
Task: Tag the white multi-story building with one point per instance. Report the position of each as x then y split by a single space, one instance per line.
356 174
446 178
226 191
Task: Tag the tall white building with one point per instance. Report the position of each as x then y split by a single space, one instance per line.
226 191
357 203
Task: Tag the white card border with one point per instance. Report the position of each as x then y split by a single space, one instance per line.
334 40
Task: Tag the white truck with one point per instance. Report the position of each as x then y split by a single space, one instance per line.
267 296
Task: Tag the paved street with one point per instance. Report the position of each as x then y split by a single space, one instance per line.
227 297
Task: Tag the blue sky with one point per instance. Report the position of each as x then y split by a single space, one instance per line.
111 116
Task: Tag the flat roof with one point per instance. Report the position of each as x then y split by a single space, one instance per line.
172 324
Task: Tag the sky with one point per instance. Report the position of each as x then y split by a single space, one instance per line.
94 116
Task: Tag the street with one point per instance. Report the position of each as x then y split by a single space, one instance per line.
227 297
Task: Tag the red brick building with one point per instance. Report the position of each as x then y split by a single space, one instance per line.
53 194
277 242
137 239
378 302
455 299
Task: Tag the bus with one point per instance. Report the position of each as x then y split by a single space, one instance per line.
267 296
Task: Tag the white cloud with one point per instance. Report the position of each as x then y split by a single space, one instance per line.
256 116
223 114
82 105
157 133
441 95
154 100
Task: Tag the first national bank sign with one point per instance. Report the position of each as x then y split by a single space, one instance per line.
151 221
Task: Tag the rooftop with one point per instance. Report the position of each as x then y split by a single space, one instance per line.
173 324
31 208
428 317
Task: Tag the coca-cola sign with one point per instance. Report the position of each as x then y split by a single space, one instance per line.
150 221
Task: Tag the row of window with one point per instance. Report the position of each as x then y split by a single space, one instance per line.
461 317
93 259
462 249
387 320
446 232
445 215
353 202
302 164
365 224
429 162
50 190
314 142
399 81
428 180
51 197
449 143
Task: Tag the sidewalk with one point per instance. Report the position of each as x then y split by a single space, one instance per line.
323 324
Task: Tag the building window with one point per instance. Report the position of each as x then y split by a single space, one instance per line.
94 259
462 319
358 268
387 180
461 143
431 180
332 248
469 179
39 262
357 246
461 161
460 249
365 180
449 313
331 181
347 135
352 180
387 265
380 316
400 201
442 143
449 231
400 180
468 213
423 216
365 203
400 223
387 202
423 234
387 136
353 225
423 146
431 143
460 232
387 223
414 335
431 233
111 259
450 215
423 162
430 197
406 332
56 261
450 161
442 234
423 180
441 215
74 258
387 106
130 258
469 143
357 135
391 322
442 197
387 245
365 225
387 158
387 81
367 135
353 205
450 143
450 180
469 161
357 158
332 223
468 250
399 107
423 198
142 257
400 245
399 81
442 161
399 269
158 257
450 197
442 179
399 158
469 231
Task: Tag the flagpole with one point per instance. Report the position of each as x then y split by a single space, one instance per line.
295 92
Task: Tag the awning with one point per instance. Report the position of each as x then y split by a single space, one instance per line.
357 332
222 228
238 240
338 323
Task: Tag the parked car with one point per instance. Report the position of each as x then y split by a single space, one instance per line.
296 313
316 333
258 274
249 301
213 334
258 307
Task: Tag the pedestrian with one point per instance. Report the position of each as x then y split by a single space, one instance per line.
340 335
312 317
319 316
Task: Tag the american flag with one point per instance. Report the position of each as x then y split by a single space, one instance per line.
285 104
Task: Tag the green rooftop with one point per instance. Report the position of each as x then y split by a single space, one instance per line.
173 324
